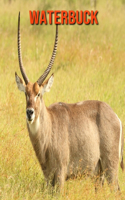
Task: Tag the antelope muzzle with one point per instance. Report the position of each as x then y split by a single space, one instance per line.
30 115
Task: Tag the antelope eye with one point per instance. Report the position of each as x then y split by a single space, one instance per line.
38 94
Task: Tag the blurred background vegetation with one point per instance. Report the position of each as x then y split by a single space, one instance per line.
90 64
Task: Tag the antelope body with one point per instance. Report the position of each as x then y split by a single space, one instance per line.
71 138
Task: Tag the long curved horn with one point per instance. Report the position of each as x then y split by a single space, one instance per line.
46 72
20 55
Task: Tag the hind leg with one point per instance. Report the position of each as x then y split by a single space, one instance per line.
99 181
112 178
110 169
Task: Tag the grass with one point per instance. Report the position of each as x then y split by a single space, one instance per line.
90 64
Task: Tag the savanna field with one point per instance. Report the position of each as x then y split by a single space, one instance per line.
90 64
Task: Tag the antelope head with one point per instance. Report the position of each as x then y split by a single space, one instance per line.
34 92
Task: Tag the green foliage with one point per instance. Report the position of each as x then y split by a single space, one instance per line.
90 64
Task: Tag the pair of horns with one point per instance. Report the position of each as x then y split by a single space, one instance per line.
46 72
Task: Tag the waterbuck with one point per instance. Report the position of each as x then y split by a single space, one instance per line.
70 138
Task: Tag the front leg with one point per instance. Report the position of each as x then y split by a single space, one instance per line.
59 178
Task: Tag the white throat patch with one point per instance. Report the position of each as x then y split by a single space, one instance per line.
34 127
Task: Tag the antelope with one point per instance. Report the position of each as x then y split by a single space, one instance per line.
70 138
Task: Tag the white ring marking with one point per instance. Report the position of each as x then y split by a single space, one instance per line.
120 136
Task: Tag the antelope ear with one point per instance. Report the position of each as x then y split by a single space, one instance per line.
19 82
47 84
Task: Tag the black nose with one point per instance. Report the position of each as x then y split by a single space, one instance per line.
29 113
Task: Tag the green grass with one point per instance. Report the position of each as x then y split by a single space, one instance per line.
90 64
